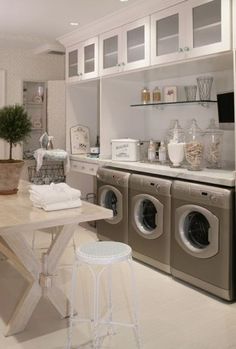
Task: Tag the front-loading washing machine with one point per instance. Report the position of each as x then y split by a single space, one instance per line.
149 220
202 241
112 193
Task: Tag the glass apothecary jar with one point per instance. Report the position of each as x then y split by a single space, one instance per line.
213 145
175 146
194 147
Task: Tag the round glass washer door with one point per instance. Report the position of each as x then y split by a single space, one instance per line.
111 198
197 231
147 216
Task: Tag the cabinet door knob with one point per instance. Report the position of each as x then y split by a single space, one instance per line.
118 64
180 49
186 48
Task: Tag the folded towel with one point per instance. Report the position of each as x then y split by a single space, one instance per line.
42 195
62 205
54 154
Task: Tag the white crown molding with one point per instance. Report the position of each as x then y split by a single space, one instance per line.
116 19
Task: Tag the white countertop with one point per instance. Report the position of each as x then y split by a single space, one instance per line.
212 176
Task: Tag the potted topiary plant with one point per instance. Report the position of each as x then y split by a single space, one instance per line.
15 127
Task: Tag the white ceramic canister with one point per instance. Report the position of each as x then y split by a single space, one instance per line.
126 149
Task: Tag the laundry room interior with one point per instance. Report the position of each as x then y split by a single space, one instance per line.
118 228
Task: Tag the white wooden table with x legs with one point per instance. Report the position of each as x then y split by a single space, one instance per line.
17 217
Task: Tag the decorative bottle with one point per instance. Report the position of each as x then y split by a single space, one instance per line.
162 153
151 151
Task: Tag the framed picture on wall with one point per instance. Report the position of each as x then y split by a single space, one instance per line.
79 137
170 94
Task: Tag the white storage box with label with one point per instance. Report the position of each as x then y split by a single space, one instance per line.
126 149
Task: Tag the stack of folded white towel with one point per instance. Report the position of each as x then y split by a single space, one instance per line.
54 196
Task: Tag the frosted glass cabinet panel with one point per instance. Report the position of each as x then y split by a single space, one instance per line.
89 58
207 23
72 63
167 35
110 52
136 44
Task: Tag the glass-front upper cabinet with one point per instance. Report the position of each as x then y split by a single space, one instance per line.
191 29
125 48
82 61
210 26
167 35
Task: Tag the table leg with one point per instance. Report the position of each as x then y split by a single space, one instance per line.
41 275
17 250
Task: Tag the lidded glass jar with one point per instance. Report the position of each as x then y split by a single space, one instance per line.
213 145
145 95
176 144
194 147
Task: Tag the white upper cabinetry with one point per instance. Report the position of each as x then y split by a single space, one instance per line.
125 48
82 61
191 29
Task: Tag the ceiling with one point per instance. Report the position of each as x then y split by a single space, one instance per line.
29 24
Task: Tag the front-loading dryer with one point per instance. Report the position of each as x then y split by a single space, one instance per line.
112 193
202 241
149 220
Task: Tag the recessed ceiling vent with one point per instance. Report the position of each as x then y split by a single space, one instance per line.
53 52
51 49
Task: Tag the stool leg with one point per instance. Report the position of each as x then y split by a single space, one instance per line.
135 305
110 309
72 301
95 315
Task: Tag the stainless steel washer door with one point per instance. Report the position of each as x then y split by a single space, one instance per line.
197 231
110 197
147 216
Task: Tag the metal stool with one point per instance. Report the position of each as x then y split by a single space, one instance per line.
104 254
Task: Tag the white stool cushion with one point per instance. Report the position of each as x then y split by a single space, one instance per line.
103 252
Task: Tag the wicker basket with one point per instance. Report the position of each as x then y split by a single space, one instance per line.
50 171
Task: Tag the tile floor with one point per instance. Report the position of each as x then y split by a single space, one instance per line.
172 315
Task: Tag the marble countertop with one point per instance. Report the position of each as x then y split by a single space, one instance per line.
212 176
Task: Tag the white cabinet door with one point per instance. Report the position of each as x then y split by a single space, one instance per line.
110 52
168 28
88 59
136 44
209 26
125 48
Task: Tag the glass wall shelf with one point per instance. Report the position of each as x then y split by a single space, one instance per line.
203 103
